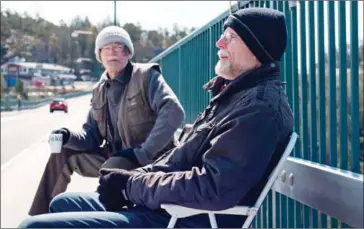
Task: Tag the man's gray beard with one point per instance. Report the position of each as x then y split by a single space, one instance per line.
222 69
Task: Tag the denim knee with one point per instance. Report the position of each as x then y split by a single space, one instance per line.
76 202
31 222
59 203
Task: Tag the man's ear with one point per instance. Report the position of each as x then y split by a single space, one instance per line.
100 55
257 62
128 55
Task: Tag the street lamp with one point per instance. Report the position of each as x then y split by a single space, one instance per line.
230 11
76 34
114 12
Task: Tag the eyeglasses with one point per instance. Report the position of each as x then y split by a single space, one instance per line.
116 48
228 36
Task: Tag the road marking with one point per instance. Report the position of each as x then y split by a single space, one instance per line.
20 115
7 119
71 120
16 158
23 152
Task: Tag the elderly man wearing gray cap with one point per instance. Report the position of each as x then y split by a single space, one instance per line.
131 121
226 158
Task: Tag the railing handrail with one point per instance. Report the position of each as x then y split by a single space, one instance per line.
330 190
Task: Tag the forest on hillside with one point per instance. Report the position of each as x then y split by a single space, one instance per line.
38 40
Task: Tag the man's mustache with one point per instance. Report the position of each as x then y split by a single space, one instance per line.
112 58
223 52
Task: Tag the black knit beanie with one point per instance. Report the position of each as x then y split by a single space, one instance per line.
263 30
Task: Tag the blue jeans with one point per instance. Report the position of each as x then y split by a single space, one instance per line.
85 210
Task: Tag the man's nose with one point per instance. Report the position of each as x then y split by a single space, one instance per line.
221 43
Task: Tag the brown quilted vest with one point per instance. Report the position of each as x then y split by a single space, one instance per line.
135 117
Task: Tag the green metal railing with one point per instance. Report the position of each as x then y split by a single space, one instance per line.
322 87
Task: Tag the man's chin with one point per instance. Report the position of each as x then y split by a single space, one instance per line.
113 64
114 68
222 69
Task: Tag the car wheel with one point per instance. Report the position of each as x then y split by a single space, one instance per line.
65 111
51 111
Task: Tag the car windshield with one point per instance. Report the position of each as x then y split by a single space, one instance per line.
58 100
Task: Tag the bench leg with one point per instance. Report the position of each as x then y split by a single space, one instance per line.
248 220
212 220
172 222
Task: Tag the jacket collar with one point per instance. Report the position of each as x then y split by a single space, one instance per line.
246 80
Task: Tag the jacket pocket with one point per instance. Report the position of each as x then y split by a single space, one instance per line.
140 120
138 111
98 105
141 131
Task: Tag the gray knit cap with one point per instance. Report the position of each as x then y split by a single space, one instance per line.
112 34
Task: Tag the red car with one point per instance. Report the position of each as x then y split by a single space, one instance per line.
59 104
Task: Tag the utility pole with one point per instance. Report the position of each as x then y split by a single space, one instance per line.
114 12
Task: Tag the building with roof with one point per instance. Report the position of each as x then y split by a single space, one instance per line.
36 74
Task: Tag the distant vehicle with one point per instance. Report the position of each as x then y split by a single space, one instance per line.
59 104
85 77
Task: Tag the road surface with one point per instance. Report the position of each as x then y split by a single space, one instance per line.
21 130
25 151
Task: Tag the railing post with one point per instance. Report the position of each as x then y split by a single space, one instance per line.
354 74
343 152
322 94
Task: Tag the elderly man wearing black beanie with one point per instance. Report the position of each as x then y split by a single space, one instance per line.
223 161
261 38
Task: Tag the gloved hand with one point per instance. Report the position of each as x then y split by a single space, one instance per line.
127 153
112 189
65 132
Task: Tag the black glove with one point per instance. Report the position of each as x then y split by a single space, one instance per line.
65 132
127 153
112 189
